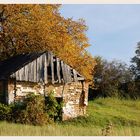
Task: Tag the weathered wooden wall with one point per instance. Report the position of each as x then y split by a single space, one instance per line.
47 69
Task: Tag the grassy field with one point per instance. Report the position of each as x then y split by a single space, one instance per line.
104 117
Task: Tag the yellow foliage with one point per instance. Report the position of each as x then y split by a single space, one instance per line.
37 28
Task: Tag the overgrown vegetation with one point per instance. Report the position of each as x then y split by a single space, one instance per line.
102 113
33 110
53 107
5 112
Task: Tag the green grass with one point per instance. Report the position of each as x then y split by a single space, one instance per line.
123 114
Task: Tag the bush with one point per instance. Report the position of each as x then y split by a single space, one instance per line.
31 111
53 108
5 112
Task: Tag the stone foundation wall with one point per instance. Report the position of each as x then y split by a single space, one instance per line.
75 95
75 100
57 89
18 90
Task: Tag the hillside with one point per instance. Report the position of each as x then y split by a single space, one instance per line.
117 117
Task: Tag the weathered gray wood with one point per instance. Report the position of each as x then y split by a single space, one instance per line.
21 72
32 72
26 73
34 65
69 73
75 75
29 71
58 69
49 58
52 69
63 71
17 75
41 69
37 70
45 70
80 78
66 73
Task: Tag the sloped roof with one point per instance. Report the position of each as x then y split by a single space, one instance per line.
38 67
11 65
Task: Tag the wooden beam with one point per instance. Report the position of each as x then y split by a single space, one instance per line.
69 74
37 70
49 58
32 71
45 69
58 69
34 63
63 71
52 69
41 79
66 73
75 75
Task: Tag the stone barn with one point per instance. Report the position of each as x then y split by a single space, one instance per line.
40 73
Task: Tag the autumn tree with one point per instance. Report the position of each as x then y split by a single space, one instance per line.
37 28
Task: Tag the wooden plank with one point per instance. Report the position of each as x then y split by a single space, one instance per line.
17 75
75 75
29 71
63 65
52 69
24 72
41 69
45 69
58 69
69 73
66 73
34 65
21 71
49 58
26 78
63 71
32 71
37 71
80 78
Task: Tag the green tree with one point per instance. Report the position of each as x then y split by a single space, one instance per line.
108 76
136 63
135 68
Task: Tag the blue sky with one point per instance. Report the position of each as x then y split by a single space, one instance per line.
113 30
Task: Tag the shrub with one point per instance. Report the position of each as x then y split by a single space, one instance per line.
31 111
53 108
5 112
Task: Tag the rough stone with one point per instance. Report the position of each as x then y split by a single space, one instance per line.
74 95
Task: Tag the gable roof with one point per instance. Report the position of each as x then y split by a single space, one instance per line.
38 67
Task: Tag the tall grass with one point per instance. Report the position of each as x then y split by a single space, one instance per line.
124 115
